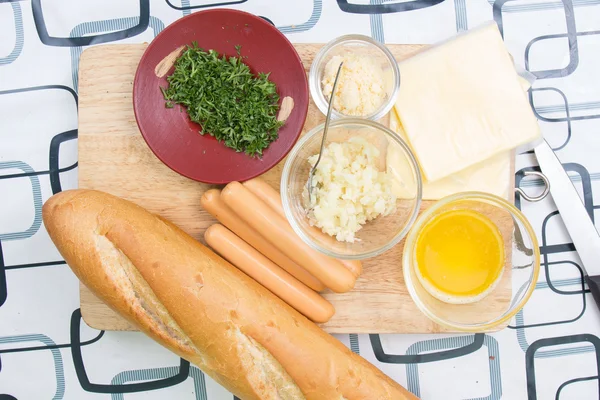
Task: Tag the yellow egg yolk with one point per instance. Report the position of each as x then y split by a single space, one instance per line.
460 253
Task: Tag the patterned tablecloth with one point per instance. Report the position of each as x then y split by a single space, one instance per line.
550 350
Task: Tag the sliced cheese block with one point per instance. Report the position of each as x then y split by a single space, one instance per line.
525 85
491 176
461 102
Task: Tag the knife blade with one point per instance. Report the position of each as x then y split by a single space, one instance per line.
574 215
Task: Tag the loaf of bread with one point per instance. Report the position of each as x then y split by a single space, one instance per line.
196 304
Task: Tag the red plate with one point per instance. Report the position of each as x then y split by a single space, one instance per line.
171 135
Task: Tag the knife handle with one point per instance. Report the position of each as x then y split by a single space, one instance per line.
593 283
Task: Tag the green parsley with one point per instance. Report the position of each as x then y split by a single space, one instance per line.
225 99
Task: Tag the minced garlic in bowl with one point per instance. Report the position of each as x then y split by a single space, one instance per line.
361 213
348 189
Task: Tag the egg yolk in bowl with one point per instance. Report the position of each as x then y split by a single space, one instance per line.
460 256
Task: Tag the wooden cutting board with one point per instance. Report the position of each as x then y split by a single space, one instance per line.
114 158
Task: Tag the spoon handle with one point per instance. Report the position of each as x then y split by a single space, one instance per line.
325 129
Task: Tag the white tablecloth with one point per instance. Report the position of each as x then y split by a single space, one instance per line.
551 350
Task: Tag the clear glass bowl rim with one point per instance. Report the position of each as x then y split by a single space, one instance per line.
407 257
314 81
286 175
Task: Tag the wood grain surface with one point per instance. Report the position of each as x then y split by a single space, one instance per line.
114 158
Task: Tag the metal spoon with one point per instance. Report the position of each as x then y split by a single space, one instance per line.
327 119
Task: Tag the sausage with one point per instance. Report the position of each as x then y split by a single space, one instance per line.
266 193
265 272
354 266
211 201
269 195
276 230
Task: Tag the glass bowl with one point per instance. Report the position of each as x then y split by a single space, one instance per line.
514 286
361 45
376 236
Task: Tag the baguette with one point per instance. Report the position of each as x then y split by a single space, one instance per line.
199 306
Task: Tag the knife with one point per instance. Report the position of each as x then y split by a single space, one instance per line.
574 215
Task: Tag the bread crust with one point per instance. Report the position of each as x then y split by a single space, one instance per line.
199 306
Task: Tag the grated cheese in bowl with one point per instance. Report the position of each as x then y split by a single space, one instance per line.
361 87
348 189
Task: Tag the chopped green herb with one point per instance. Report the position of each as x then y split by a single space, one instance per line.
226 99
